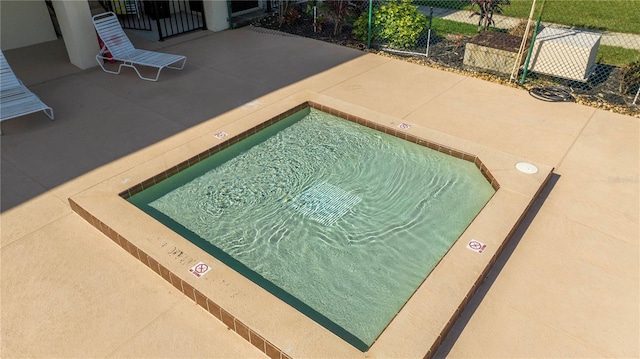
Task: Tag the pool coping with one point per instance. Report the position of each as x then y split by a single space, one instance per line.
268 323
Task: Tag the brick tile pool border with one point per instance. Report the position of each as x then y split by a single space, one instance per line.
259 340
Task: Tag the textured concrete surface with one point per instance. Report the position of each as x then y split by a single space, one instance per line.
567 285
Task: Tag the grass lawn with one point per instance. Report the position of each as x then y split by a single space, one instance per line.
609 15
616 56
441 27
610 55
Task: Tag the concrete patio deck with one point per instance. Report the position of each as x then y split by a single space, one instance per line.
567 284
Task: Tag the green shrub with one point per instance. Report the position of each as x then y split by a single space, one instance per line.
397 22
485 11
339 11
616 56
630 78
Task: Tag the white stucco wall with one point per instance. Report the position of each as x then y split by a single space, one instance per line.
24 23
27 22
216 15
78 32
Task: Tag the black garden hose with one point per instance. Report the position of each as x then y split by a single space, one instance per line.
551 94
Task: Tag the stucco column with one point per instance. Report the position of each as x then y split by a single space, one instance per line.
78 32
216 15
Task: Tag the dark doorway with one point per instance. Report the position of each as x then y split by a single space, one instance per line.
161 19
241 5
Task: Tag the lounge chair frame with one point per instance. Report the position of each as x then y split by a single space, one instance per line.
118 47
15 98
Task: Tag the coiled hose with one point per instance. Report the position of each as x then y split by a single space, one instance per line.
551 94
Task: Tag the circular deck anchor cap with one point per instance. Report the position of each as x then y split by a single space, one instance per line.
527 168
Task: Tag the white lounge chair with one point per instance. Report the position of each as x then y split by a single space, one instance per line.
15 98
118 47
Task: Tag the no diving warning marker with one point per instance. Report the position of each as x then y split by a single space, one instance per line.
476 246
199 269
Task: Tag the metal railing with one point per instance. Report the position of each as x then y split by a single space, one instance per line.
162 18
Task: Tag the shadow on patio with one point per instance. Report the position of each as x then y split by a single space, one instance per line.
102 117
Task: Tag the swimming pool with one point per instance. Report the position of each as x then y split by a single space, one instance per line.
268 323
340 221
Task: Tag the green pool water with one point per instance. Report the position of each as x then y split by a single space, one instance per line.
340 221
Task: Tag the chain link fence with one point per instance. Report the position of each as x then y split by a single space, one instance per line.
584 49
587 49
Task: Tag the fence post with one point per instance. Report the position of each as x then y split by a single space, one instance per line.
429 33
229 15
516 64
533 41
369 25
